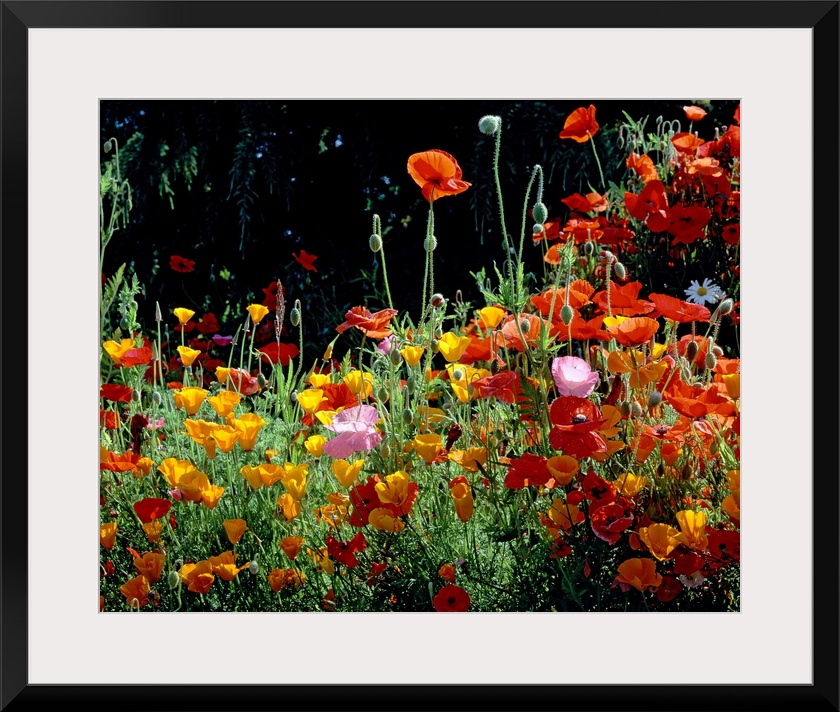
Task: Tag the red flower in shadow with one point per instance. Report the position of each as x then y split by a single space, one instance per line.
181 264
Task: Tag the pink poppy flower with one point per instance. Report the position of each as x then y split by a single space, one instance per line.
356 431
573 376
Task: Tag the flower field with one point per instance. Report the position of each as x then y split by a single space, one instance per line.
566 441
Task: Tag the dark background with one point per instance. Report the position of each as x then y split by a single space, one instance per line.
237 186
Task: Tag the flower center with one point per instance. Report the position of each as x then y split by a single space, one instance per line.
701 291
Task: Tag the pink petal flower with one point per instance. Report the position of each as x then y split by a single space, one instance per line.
573 376
356 431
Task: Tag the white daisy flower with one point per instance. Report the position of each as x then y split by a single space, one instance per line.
694 580
703 293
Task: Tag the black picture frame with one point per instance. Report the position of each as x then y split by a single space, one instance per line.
19 16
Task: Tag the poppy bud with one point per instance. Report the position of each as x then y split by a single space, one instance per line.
654 399
458 374
566 314
437 301
494 367
328 353
293 396
158 315
725 307
624 409
261 380
375 243
540 212
253 568
382 395
635 409
489 125
607 256
411 384
711 360
294 316
107 147
434 346
173 579
620 270
407 416
136 396
538 229
395 357
430 243
385 450
156 398
717 351
691 349
125 324
588 248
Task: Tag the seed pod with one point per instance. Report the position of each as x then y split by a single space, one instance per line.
125 324
711 360
691 349
540 212
635 410
654 399
395 357
624 409
375 243
567 314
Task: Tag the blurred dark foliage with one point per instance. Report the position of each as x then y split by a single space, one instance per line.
238 186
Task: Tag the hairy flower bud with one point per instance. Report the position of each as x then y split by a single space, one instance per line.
489 125
253 567
620 270
589 248
108 146
437 301
725 307
567 314
382 395
538 229
173 579
540 212
407 416
261 380
711 360
636 409
375 243
691 349
654 399
458 374
717 351
430 243
395 357
294 317
157 399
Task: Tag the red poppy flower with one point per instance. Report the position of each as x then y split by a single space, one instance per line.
109 419
279 353
437 173
243 382
609 521
687 562
589 203
137 357
694 113
451 599
583 330
152 508
687 223
669 589
679 310
372 325
697 401
624 300
731 233
575 420
580 125
181 264
306 260
120 463
650 205
582 230
345 551
116 393
376 571
365 499
644 167
598 491
526 471
724 547
208 324
503 386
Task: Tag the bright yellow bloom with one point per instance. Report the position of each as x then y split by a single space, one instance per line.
279 579
461 386
316 380
234 528
257 312
732 505
224 566
333 514
469 459
184 315
173 470
563 468
153 530
660 539
693 527
564 515
201 431
314 445
322 560
732 381
193 484
452 346
346 473
289 506
108 535
188 355
198 577
491 317
252 475
382 519
633 362
325 417
225 402
144 466
412 354
226 437
310 399
353 380
639 573
190 399
629 485
295 479
394 490
117 350
249 426
428 446
211 496
464 504
150 565
270 473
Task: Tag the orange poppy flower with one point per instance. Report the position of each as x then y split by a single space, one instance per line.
589 203
694 113
651 205
686 142
137 588
198 577
644 167
150 565
437 173
372 325
632 331
580 125
639 573
234 528
678 310
697 401
624 300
